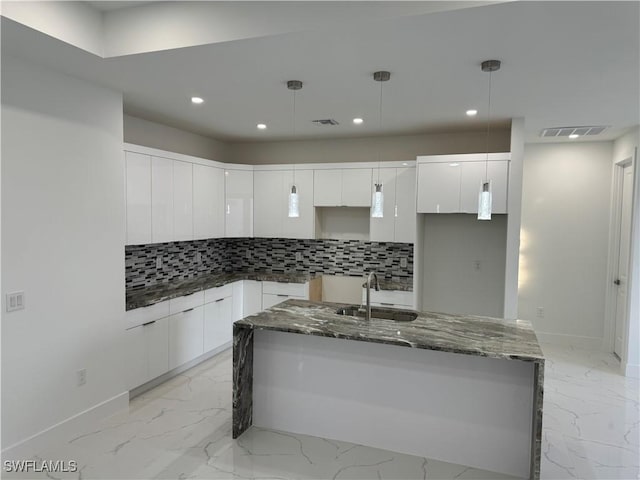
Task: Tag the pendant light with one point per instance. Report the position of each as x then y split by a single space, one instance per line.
484 197
377 203
294 203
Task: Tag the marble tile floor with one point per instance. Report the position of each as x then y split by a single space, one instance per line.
182 430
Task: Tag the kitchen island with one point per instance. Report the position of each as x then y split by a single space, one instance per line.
458 388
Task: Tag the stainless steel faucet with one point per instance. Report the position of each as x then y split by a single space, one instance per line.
367 285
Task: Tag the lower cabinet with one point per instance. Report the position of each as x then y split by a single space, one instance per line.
147 353
185 336
251 297
389 298
271 299
218 323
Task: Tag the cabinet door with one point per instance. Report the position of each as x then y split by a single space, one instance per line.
327 188
270 206
238 294
182 201
405 208
439 187
161 199
473 175
208 202
251 297
217 323
271 299
185 336
157 347
239 203
138 188
357 187
383 229
304 225
135 357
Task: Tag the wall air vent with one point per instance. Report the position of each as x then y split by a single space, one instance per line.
566 131
325 121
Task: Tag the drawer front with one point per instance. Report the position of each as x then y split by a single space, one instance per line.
213 294
180 304
392 305
389 297
271 299
294 289
142 315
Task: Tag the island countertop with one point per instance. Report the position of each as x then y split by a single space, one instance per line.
464 334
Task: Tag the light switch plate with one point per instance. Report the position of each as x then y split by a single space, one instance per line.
403 262
15 301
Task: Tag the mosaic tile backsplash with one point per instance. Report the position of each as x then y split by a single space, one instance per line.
186 260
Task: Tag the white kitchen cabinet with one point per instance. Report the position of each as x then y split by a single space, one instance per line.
271 199
398 223
327 188
304 225
438 187
274 293
138 198
269 207
186 336
474 174
357 187
271 299
389 298
218 323
405 208
238 294
238 203
147 352
251 297
347 187
161 199
182 201
208 202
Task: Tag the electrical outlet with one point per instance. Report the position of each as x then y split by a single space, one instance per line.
540 312
198 257
403 262
81 377
15 301
248 254
158 262
298 256
476 265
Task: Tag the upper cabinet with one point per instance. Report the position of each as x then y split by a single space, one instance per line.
238 203
208 202
138 200
182 201
347 187
271 197
451 183
398 223
162 199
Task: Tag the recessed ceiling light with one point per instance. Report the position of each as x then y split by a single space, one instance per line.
454 164
261 126
405 163
573 136
472 113
197 100
358 121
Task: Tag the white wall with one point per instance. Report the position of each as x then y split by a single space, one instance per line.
563 242
365 149
624 147
155 135
451 244
62 244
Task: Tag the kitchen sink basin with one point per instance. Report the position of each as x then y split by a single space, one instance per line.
383 313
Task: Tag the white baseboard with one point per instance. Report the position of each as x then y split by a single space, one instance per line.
576 341
631 370
65 429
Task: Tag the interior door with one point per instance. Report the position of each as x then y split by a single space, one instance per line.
623 261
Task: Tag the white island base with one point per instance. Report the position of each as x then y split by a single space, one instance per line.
464 409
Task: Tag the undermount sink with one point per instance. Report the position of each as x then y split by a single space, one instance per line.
383 313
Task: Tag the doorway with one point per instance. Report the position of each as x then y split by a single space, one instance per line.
621 263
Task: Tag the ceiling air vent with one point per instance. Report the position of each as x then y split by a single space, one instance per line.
566 131
325 121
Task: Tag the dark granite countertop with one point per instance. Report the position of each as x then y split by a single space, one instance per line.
144 297
465 334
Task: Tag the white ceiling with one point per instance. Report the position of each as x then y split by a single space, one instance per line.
564 64
110 5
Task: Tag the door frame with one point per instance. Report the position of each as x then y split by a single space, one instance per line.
612 258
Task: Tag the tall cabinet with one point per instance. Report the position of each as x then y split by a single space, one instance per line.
398 223
238 203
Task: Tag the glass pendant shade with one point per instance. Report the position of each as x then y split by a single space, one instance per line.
377 205
294 205
484 202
